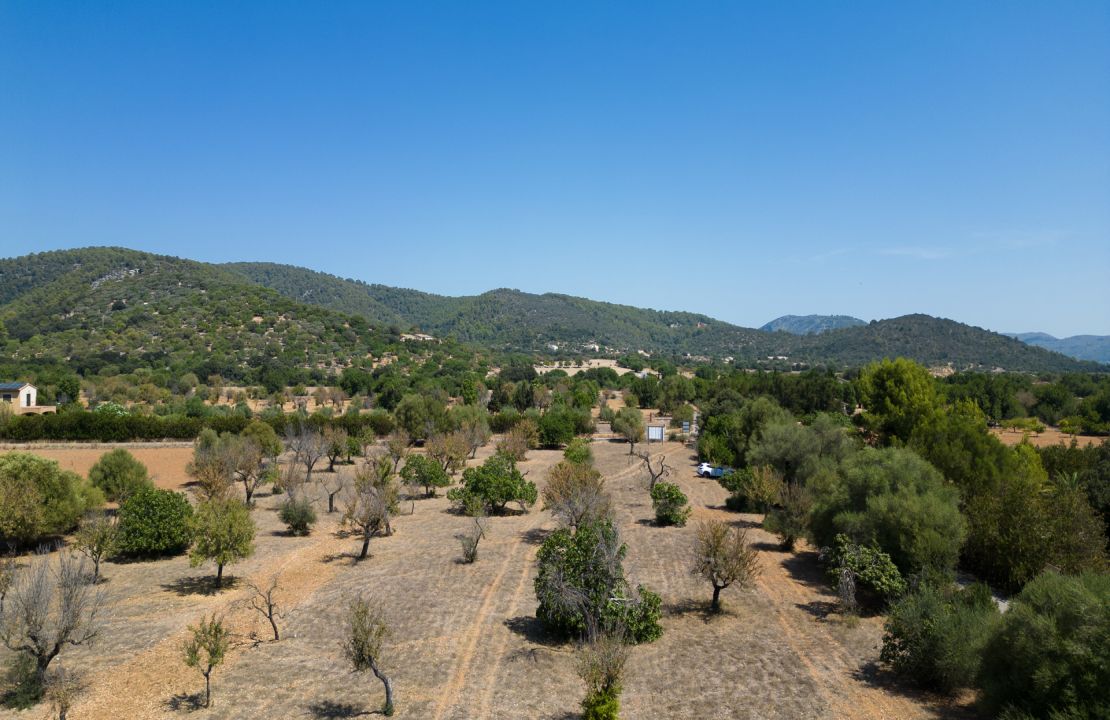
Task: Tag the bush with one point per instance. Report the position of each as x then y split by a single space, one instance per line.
556 427
935 638
119 475
22 688
789 519
581 583
1051 654
670 504
872 568
38 498
493 485
155 522
578 452
298 515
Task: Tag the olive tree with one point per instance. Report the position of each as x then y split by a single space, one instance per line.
367 631
723 557
371 502
119 475
96 539
629 424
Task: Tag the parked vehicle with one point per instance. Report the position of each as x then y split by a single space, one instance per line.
707 470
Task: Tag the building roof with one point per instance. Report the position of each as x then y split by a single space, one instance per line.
13 385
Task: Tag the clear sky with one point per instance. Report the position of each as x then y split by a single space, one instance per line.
745 160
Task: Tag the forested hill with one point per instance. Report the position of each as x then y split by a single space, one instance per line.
96 307
1084 347
93 308
510 319
810 324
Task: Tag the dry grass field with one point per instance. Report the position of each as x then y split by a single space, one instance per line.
465 644
1050 436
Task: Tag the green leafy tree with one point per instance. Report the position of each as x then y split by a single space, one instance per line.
96 539
578 452
723 557
119 475
298 515
223 532
206 649
493 485
155 522
670 504
895 500
871 570
629 424
38 498
1051 654
897 395
422 472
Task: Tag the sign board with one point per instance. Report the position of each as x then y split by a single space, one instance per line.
655 433
685 426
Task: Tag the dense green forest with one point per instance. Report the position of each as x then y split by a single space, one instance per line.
810 324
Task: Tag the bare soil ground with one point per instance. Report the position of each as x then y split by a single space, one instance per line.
465 643
165 461
1050 436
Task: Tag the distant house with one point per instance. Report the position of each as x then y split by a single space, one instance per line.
23 399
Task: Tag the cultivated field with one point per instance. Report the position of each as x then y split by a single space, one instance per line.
1048 437
465 644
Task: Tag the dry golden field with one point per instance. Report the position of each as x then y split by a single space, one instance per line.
465 644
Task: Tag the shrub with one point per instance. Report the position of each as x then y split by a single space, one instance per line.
872 569
38 498
493 485
581 586
298 515
934 638
119 475
1050 656
556 427
423 472
578 452
670 504
154 522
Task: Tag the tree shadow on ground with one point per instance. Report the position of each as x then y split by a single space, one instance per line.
532 630
768 546
804 567
697 608
202 585
330 709
940 706
351 556
186 701
535 536
820 609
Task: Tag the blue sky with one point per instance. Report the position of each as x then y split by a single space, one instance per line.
741 160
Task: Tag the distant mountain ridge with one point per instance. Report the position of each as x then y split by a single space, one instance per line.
811 324
1081 347
515 320
96 308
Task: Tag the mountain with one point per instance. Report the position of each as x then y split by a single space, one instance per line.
96 310
811 324
1082 347
514 320
92 308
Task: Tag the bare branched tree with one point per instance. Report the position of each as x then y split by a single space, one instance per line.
469 541
333 485
264 600
335 444
655 474
367 631
49 606
723 557
371 501
477 433
575 494
308 448
7 577
397 445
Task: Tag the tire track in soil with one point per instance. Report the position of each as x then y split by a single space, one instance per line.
823 656
450 694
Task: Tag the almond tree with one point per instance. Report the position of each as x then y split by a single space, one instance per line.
48 608
206 649
723 557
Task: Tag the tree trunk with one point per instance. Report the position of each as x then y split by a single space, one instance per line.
96 575
365 547
388 709
219 575
208 688
273 624
331 502
716 606
631 446
331 464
